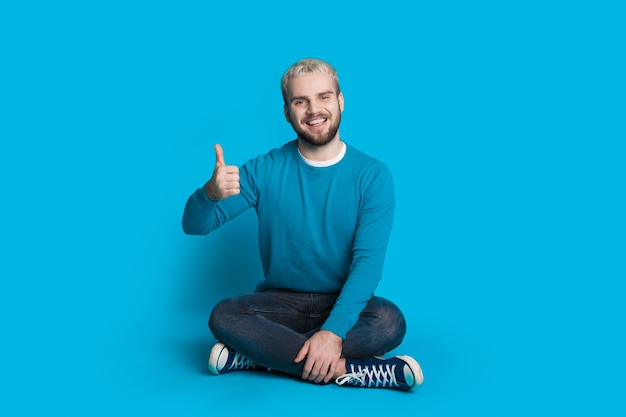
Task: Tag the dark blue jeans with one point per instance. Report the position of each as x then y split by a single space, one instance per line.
271 327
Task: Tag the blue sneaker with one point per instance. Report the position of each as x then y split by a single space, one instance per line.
399 372
223 360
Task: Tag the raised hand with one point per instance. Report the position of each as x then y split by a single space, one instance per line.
225 180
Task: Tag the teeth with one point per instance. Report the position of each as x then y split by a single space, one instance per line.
315 122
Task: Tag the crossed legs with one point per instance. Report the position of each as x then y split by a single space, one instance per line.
269 328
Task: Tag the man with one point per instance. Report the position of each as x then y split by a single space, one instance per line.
325 212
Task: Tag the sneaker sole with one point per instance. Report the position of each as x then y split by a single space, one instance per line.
214 356
416 368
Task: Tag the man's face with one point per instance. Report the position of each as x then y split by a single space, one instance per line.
314 108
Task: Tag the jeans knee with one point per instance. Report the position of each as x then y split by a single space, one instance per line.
220 316
393 322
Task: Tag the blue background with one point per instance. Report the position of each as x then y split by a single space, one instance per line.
502 122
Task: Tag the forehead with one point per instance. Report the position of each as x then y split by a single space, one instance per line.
311 85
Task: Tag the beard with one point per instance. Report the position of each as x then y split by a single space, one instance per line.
320 138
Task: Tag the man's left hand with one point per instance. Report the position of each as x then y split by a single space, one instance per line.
322 352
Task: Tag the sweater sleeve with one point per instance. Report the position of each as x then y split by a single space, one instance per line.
374 224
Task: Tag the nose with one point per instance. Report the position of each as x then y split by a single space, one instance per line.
313 107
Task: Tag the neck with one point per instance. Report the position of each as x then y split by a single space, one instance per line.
320 153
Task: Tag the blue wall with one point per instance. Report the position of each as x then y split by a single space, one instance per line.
502 124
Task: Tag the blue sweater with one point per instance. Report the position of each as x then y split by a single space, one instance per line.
321 229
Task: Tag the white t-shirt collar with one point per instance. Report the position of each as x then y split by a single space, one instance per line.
330 162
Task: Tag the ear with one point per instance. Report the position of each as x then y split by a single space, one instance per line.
340 100
286 110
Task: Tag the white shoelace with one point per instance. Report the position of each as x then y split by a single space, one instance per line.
382 375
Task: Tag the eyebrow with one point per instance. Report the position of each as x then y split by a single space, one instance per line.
318 94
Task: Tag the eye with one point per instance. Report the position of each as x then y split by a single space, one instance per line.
326 97
299 102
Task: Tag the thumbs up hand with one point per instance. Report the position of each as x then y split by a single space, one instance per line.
225 180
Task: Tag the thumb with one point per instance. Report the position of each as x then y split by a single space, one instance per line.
219 156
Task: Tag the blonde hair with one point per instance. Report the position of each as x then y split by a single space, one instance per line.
304 67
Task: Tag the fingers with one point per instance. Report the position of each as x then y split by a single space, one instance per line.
330 374
314 370
317 371
227 177
219 156
228 185
323 353
302 352
224 183
308 372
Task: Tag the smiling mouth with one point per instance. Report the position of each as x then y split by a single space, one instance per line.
316 122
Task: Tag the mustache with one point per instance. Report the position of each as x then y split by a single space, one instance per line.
317 116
